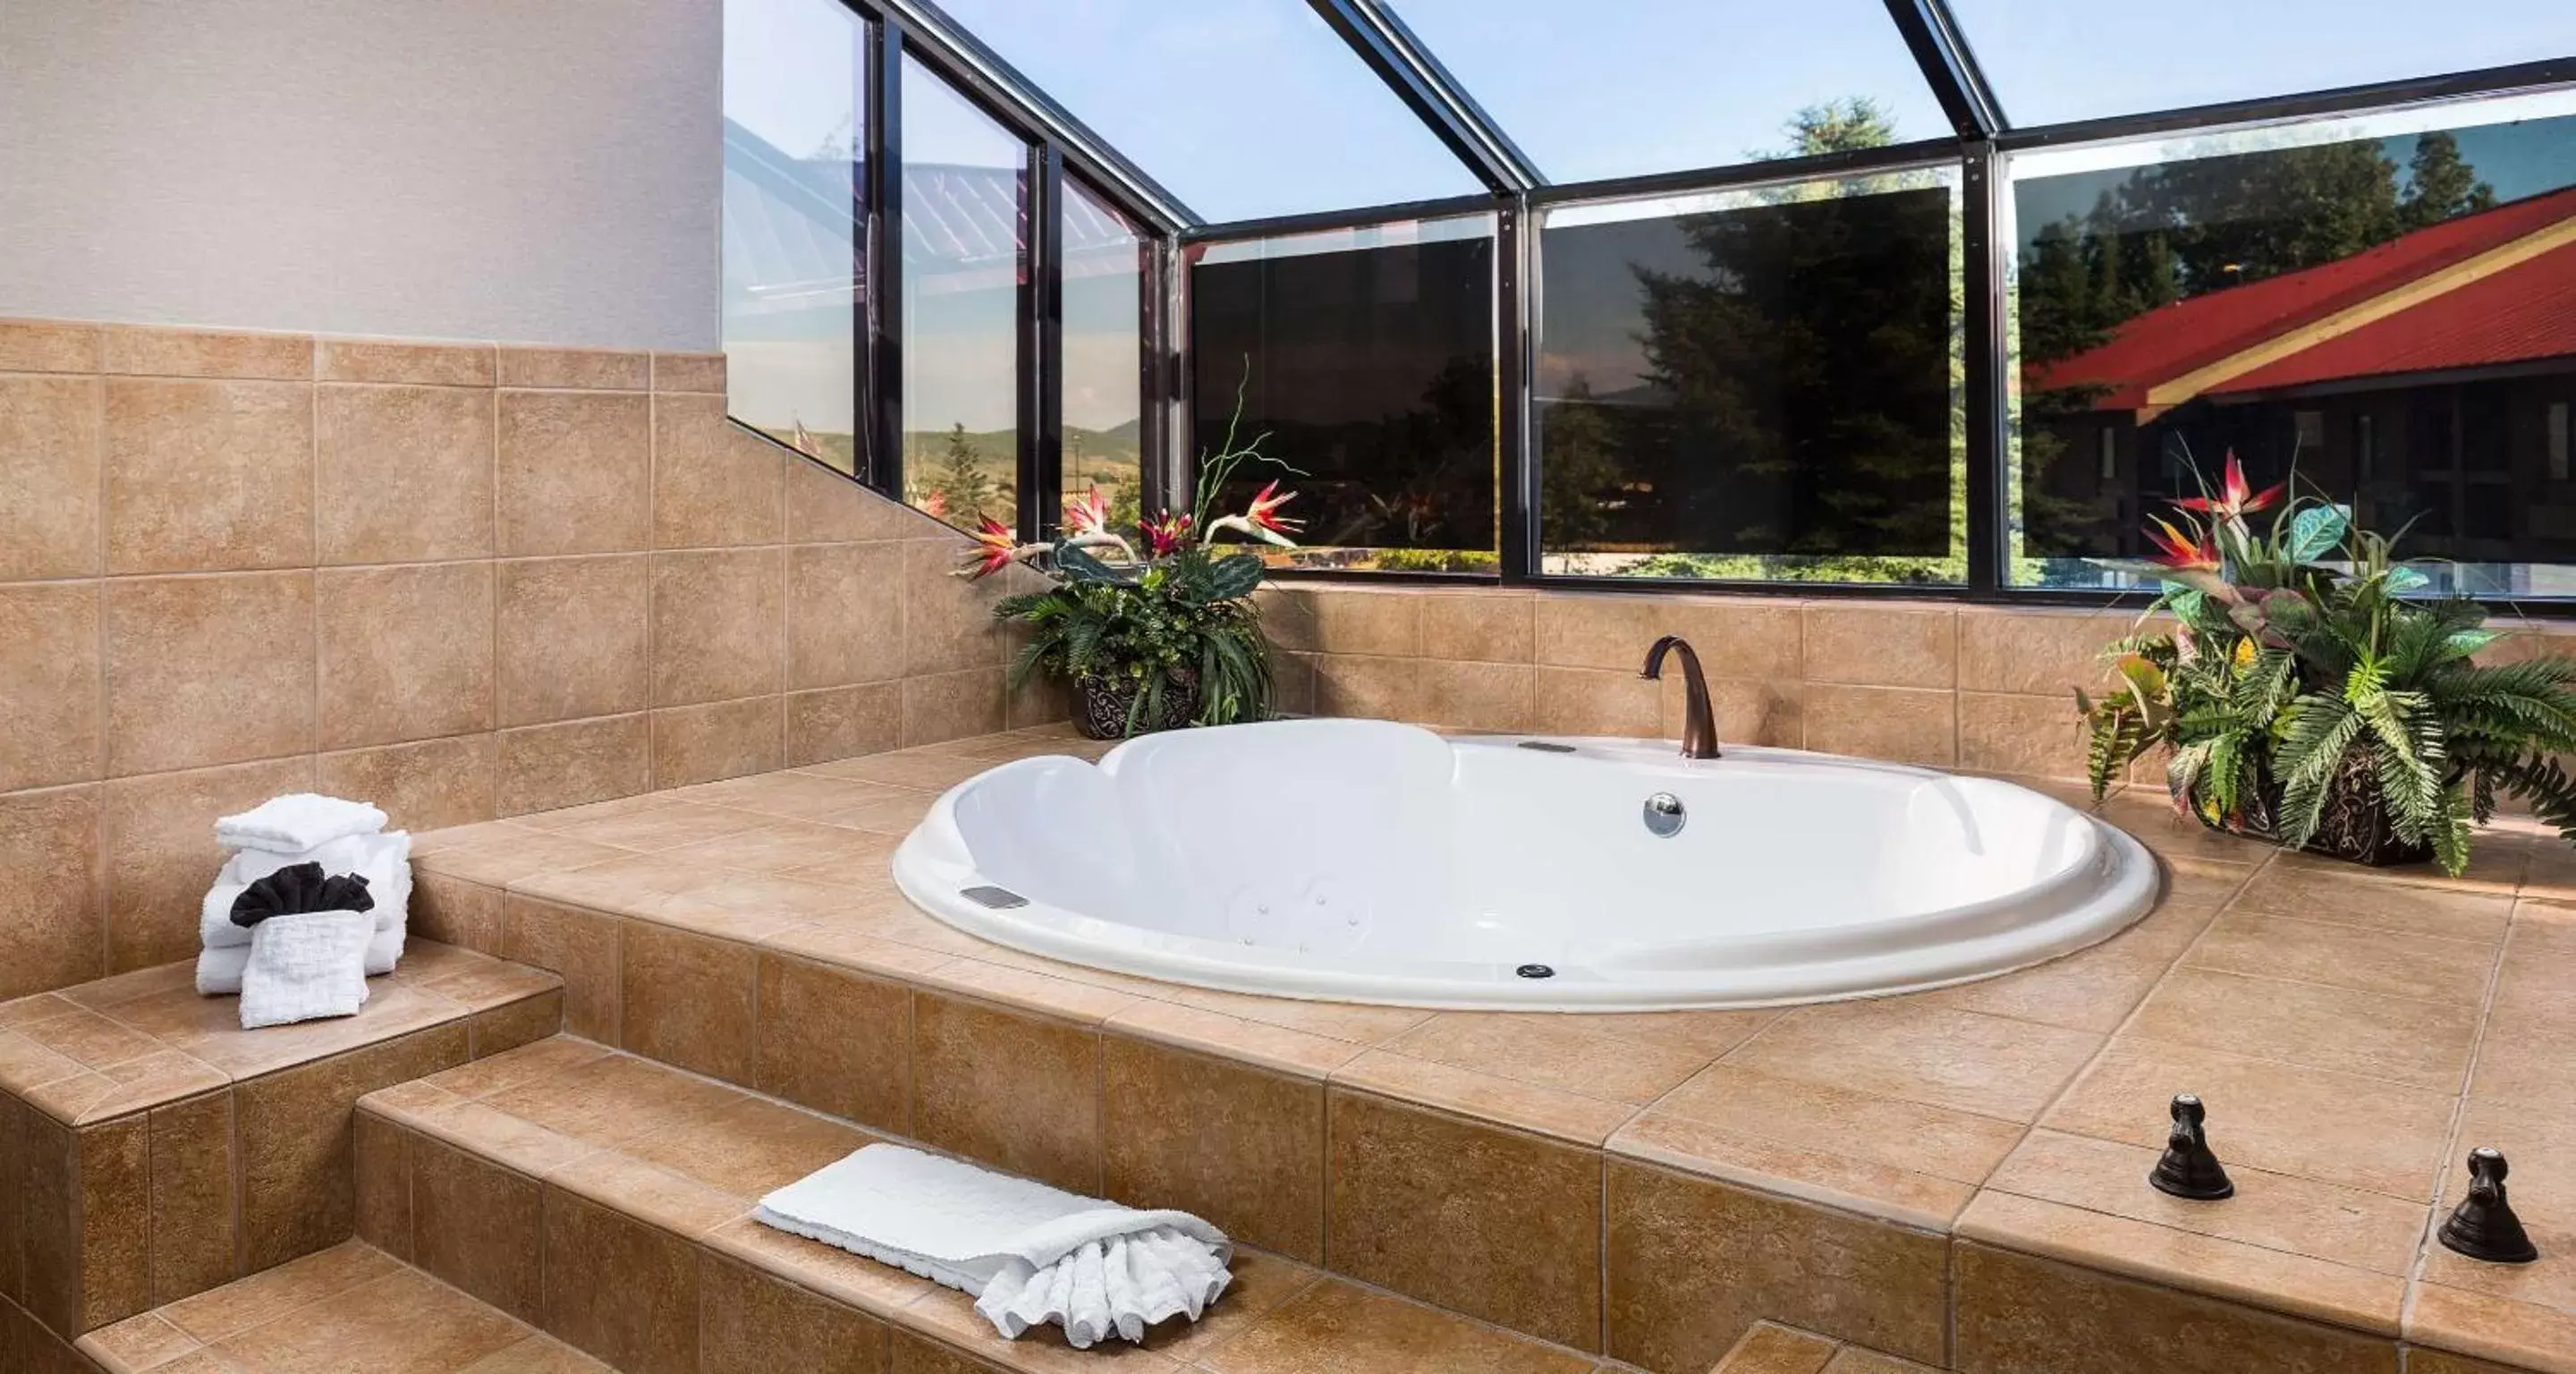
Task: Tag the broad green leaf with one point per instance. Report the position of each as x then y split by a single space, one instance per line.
2402 580
2315 532
1080 566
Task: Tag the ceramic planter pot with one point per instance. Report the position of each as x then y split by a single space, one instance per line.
1102 705
2355 827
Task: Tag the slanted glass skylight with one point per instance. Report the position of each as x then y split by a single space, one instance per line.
1243 108
1592 91
2057 60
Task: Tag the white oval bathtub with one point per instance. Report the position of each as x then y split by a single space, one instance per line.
1366 861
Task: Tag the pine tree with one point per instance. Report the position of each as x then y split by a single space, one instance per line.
960 479
2439 185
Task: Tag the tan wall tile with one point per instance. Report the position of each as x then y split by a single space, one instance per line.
453 911
1693 1263
1585 701
49 684
1877 646
950 706
948 620
1767 713
158 834
378 360
425 785
298 1175
402 474
1600 631
713 484
45 1214
689 1000
1354 687
501 1029
48 346
53 932
689 372
718 627
2036 652
1480 627
1040 700
581 947
725 739
2034 736
828 506
569 636
544 767
842 722
405 652
208 476
1017 1092
208 670
845 613
1239 1146
150 350
620 1289
1478 696
50 451
836 1041
113 1163
1902 725
2020 1315
574 472
478 1226
597 369
1320 619
755 1324
192 1196
1489 1222
1292 682
381 1158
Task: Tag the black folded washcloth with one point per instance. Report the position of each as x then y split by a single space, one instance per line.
299 888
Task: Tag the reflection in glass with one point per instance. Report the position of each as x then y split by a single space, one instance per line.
1754 384
793 220
965 253
1104 353
2386 305
2057 60
1244 108
1366 356
1592 91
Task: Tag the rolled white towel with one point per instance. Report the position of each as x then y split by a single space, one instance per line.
297 822
384 949
219 971
304 967
1032 1254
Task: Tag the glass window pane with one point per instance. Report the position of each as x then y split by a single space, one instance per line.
792 220
1593 91
2385 304
1243 108
1104 352
965 253
2056 60
1365 362
1759 384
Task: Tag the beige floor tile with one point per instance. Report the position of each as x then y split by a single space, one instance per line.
1768 1349
613 1101
1813 1172
1334 1328
1964 1061
2519 1334
919 770
2345 898
1939 1142
1570 1053
273 1293
2383 962
2423 1044
405 1322
2092 989
1486 1097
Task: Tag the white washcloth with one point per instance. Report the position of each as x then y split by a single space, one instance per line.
296 822
1032 1254
304 967
219 971
384 860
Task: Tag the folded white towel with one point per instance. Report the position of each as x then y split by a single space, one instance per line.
296 822
219 971
306 966
1032 1254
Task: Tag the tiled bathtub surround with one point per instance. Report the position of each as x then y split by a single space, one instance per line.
465 581
1954 1178
1987 688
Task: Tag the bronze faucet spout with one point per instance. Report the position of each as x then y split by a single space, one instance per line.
1699 723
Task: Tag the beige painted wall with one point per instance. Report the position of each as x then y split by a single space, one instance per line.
525 170
460 581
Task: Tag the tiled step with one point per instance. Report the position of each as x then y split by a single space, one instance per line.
1773 1349
150 1148
605 1199
349 1308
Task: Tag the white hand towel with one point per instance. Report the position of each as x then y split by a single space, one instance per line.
1032 1254
296 822
304 967
219 971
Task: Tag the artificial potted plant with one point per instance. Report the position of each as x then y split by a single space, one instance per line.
2308 699
1154 640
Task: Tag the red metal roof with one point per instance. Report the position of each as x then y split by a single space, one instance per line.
2439 333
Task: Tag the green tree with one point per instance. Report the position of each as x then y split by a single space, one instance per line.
1577 471
2439 185
960 481
1837 126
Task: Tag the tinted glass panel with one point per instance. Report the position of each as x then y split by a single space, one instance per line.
2385 306
1367 358
1104 351
1754 385
1243 108
2053 60
1590 91
792 240
965 253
